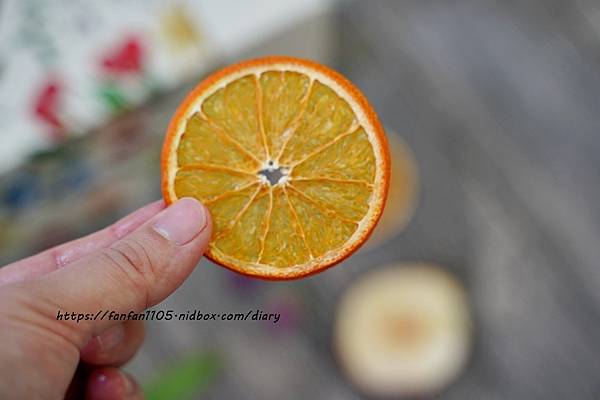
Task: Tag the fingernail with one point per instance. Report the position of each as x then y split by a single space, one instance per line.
132 221
182 221
111 337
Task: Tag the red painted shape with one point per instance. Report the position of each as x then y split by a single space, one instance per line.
125 59
46 107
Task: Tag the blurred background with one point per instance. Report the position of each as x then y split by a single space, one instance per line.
493 113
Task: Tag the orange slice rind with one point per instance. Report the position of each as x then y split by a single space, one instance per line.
402 196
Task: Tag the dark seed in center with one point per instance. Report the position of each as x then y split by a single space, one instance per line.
272 175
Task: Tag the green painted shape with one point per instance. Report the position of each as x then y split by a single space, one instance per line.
183 379
114 98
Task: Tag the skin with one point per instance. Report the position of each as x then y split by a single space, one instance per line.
131 265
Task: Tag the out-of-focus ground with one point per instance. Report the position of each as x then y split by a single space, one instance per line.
499 103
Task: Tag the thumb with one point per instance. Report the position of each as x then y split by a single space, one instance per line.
133 273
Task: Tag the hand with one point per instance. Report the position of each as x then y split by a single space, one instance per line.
131 265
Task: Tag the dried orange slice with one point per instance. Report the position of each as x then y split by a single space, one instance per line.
290 159
403 330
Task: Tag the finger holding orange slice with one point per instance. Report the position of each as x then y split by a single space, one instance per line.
290 159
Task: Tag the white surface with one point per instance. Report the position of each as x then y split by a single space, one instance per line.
67 39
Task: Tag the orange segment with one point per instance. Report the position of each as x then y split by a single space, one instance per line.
229 204
326 116
284 234
202 143
290 159
283 95
234 110
324 229
243 235
349 157
206 182
348 199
